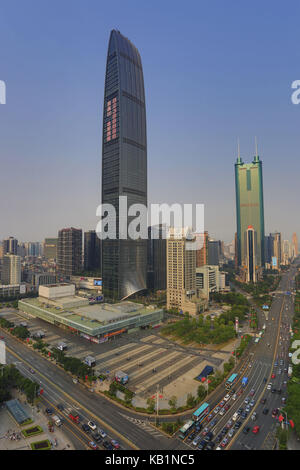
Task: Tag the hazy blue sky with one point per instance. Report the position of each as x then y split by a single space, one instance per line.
213 71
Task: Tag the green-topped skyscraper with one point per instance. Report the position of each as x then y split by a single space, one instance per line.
249 217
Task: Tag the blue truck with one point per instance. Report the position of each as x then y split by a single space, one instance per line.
206 371
244 381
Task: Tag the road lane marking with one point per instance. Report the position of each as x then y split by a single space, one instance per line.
103 423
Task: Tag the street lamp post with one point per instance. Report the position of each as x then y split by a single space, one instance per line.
157 406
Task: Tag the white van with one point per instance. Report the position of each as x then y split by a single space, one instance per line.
235 416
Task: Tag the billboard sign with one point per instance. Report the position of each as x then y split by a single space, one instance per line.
98 282
22 289
274 261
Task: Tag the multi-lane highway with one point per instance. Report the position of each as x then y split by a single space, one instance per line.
132 431
263 394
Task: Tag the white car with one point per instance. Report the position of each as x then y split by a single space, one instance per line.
234 396
227 397
92 425
102 433
196 440
269 386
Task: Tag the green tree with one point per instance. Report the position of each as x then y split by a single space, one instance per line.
151 404
173 402
190 401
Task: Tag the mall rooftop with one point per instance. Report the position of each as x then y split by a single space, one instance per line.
98 320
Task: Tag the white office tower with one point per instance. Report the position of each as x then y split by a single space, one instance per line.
11 272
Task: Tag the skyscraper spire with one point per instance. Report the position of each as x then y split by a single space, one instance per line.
256 158
239 156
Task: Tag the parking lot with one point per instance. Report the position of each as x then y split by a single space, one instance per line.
150 361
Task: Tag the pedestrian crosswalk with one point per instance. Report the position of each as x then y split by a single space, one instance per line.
143 425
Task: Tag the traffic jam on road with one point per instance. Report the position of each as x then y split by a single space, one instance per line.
95 435
73 418
247 405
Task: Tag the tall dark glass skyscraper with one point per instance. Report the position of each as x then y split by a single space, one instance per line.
124 164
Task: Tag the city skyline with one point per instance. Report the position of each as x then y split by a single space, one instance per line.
51 135
149 256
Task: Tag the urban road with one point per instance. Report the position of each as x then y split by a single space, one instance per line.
258 366
277 335
132 431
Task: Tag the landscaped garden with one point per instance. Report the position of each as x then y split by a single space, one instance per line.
41 445
33 431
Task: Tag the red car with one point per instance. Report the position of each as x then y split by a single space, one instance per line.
226 407
255 429
273 376
115 444
224 442
93 446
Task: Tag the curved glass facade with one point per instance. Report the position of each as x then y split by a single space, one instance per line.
124 164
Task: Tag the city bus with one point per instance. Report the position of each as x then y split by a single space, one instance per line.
201 412
186 429
232 379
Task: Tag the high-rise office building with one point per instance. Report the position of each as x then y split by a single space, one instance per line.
11 269
286 252
249 211
92 251
157 258
181 275
202 253
251 254
50 248
22 249
236 263
213 252
124 164
295 245
34 249
69 251
10 245
269 248
276 255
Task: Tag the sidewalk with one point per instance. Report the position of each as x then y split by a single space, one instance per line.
293 442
